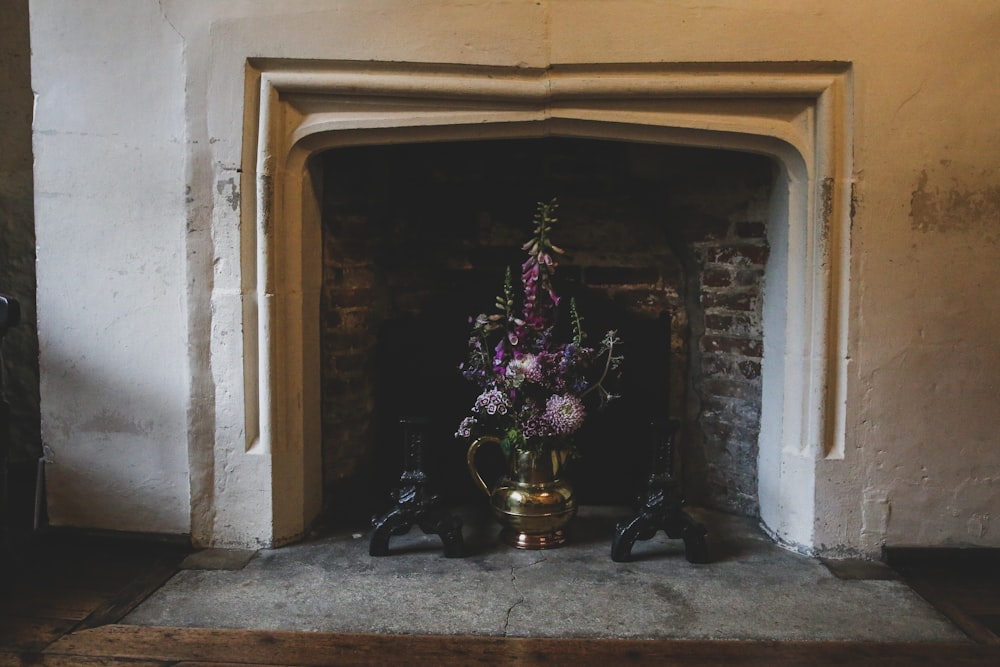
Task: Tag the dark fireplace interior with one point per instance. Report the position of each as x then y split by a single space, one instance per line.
665 244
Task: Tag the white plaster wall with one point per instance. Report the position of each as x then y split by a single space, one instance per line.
111 209
115 152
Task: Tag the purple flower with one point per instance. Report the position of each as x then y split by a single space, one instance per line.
564 414
465 428
530 419
533 385
492 402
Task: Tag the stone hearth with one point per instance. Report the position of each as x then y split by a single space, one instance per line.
754 590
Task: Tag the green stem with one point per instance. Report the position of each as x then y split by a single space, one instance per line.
604 374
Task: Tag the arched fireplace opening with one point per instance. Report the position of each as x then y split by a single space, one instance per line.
667 244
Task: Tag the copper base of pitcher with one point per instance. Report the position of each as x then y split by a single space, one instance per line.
521 540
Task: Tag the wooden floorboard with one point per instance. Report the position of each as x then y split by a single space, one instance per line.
39 660
134 591
964 584
31 634
245 647
956 606
56 585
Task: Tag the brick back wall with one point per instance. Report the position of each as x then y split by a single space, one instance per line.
416 238
725 366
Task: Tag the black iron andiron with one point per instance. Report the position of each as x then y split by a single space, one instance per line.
662 507
414 504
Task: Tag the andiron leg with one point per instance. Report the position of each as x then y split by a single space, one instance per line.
662 507
414 504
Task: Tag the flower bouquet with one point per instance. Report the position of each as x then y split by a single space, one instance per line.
536 387
536 380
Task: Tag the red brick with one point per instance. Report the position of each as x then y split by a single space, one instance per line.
747 347
352 276
351 363
742 301
350 296
715 322
749 277
354 319
716 278
739 256
730 387
738 324
330 319
750 369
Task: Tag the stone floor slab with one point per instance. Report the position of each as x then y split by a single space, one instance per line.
753 589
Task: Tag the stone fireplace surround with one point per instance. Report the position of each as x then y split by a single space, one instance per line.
796 113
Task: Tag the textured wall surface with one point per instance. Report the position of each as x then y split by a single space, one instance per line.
110 214
135 169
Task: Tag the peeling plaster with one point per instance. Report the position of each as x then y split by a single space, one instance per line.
876 510
958 208
978 525
827 194
233 195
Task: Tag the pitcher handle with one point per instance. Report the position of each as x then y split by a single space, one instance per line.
470 459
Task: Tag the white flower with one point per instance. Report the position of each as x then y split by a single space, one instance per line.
525 367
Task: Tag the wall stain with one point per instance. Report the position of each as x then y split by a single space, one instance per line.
855 202
933 209
233 195
111 422
827 195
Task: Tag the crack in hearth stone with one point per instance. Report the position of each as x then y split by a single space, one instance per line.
520 599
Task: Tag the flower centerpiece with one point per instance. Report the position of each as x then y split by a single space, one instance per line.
537 375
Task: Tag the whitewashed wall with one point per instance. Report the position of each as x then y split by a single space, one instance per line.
136 179
111 210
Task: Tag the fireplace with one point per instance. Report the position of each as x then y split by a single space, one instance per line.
791 114
179 191
665 244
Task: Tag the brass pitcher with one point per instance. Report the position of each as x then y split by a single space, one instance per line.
532 502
